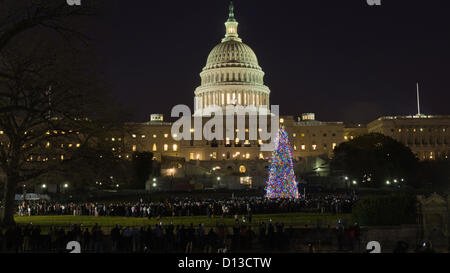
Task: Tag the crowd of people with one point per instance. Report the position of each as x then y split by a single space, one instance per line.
242 236
151 239
336 204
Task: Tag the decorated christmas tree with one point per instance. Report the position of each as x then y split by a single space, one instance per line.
281 181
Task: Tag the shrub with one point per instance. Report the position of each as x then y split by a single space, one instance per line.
385 210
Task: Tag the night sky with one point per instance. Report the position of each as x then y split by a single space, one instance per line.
343 60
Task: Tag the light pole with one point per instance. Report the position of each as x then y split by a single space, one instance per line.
172 172
24 192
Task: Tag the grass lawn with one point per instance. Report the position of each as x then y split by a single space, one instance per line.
294 219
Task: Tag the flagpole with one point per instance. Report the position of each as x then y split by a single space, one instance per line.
418 100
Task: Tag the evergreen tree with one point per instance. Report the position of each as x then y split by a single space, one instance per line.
281 181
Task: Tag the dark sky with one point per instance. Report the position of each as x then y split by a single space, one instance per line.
343 60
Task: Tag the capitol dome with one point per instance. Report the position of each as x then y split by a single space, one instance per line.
232 53
231 76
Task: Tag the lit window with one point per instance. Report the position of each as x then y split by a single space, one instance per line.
246 181
237 140
175 147
70 145
294 134
421 129
247 155
166 135
303 135
237 130
242 169
214 155
260 142
154 147
143 136
166 147
1 132
62 157
198 156
261 156
154 136
333 146
192 130
47 144
303 147
133 136
281 120
134 148
314 147
295 148
78 145
191 156
113 139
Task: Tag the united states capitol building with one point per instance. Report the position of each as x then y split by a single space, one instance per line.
233 76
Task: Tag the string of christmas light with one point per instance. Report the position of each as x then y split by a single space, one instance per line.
281 181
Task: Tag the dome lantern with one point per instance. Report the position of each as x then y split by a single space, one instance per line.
231 26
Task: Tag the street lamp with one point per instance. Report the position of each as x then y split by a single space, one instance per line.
172 172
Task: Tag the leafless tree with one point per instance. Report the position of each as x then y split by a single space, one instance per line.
48 96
